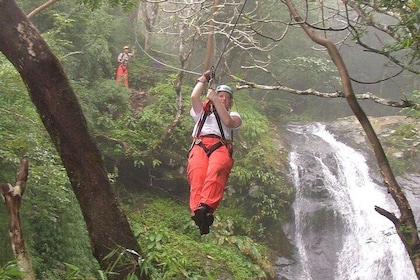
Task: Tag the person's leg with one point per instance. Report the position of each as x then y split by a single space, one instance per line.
125 76
208 177
119 73
220 165
218 170
196 170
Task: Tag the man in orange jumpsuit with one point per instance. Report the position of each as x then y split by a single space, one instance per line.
122 70
210 158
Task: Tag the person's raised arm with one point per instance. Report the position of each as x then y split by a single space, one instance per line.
196 102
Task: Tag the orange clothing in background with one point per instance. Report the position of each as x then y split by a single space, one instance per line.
122 74
122 70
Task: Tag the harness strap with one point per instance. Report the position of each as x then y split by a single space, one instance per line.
197 139
212 148
200 126
219 123
222 142
201 122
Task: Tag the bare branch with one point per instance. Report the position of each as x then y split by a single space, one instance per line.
371 14
243 84
389 215
40 8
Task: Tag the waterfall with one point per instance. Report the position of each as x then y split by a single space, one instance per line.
337 233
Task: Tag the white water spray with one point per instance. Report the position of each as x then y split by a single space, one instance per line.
338 234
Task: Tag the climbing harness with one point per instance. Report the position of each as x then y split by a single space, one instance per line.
209 109
123 58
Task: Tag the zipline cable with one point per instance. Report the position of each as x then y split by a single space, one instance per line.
161 63
230 36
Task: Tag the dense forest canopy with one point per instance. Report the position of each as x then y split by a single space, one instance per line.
143 132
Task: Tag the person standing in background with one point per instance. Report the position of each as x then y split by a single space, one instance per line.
122 70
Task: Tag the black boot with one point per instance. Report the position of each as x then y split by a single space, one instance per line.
198 216
204 218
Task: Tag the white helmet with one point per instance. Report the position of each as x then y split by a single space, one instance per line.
225 88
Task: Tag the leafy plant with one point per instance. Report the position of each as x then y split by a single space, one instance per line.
10 271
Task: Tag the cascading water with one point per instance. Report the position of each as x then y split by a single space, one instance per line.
337 233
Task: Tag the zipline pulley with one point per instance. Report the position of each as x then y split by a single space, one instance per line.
212 80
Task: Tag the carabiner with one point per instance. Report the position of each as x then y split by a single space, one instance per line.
212 77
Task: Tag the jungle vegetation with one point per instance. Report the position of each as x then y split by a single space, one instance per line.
143 133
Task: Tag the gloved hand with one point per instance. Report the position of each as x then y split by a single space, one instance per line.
207 105
205 77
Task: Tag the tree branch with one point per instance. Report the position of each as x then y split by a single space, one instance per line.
389 215
40 8
243 84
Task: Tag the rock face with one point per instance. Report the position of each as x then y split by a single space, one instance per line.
383 126
401 147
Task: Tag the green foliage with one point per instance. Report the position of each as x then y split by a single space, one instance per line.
122 258
406 131
414 112
405 30
53 215
95 4
401 149
104 104
258 149
174 249
86 41
6 254
144 132
75 273
10 271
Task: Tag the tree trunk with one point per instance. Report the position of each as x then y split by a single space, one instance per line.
148 13
12 198
62 116
405 225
